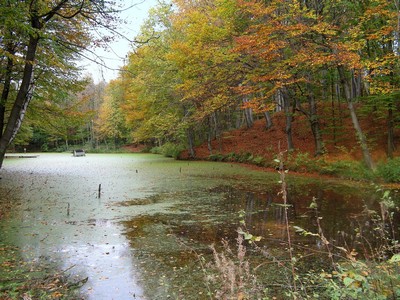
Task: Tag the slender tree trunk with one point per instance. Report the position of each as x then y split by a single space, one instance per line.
268 120
396 33
190 137
289 120
319 145
360 136
217 129
389 119
333 113
248 114
22 99
209 135
314 123
312 117
238 117
390 130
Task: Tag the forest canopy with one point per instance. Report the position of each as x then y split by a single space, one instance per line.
211 66
201 68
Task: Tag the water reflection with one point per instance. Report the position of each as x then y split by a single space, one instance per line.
172 244
57 218
147 234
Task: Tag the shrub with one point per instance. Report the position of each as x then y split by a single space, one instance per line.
299 162
172 150
363 280
216 157
259 161
156 150
168 150
390 172
231 157
347 169
244 157
104 149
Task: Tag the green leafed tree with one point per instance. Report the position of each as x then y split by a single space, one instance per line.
39 43
149 104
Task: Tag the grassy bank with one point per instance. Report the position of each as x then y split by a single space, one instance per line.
386 171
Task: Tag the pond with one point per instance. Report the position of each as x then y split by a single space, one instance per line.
138 226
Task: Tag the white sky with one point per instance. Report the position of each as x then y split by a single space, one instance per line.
113 56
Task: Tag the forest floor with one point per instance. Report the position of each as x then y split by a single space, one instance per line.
338 136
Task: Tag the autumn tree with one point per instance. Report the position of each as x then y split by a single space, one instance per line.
177 80
152 109
285 55
90 100
291 47
207 68
110 123
378 31
199 61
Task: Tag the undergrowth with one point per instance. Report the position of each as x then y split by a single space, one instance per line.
386 171
390 171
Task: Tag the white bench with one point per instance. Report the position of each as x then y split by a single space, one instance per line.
79 152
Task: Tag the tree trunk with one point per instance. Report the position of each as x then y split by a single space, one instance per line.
217 130
22 99
390 130
333 114
319 145
268 120
390 120
314 123
190 137
360 136
209 135
6 88
289 119
312 117
248 114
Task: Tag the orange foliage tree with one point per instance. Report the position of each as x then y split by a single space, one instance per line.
210 58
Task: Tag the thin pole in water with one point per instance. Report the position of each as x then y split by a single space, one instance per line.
99 191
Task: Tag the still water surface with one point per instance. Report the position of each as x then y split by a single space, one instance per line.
142 238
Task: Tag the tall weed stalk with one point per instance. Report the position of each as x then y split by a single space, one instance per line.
283 192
